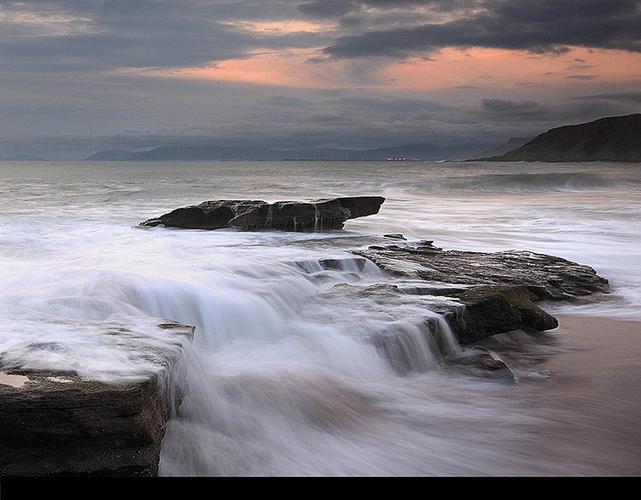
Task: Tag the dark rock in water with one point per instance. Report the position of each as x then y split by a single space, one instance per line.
395 236
359 206
485 363
490 310
293 216
547 277
258 215
207 215
472 313
52 422
349 264
490 293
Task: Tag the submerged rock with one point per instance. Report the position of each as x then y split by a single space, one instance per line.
251 215
411 333
484 363
54 422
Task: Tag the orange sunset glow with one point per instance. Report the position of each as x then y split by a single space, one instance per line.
446 69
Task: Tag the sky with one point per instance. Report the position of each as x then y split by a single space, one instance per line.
78 76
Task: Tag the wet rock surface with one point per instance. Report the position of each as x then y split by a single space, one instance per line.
478 294
249 215
53 422
207 215
546 276
484 363
489 310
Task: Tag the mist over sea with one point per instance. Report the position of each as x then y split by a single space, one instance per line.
282 379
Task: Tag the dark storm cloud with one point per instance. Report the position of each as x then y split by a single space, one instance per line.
549 114
337 8
327 8
538 26
79 35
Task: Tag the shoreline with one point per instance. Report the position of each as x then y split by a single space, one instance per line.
592 399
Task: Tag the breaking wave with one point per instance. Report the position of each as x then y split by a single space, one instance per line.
529 183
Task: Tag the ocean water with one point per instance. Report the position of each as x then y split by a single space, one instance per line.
283 376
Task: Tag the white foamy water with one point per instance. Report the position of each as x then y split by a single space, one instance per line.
284 373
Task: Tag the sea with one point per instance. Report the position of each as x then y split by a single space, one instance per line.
283 378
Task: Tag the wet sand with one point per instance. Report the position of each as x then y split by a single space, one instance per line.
592 400
12 380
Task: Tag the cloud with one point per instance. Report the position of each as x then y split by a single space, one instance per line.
536 26
83 75
328 8
581 77
522 109
69 35
548 114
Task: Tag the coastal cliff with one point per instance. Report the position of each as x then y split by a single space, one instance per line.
615 138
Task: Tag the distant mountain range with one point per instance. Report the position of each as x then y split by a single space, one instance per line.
21 158
110 155
616 138
421 151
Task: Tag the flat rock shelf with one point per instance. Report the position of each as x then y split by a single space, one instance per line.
252 215
490 293
56 422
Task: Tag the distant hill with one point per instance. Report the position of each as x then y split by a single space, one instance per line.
22 158
513 143
616 138
421 151
195 153
111 155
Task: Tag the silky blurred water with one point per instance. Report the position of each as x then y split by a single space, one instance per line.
283 376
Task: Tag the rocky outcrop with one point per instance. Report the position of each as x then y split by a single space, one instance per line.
55 422
488 293
545 276
473 314
251 215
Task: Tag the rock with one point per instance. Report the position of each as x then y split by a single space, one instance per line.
208 215
473 313
395 236
293 216
487 293
485 363
55 422
258 215
547 277
490 310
